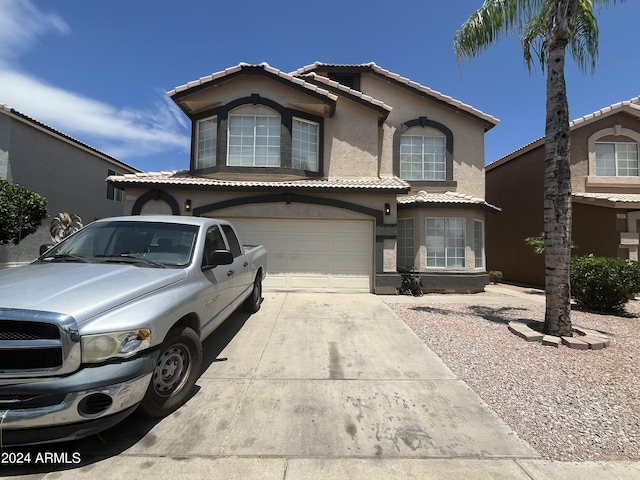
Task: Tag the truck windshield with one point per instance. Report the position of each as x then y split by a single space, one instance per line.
149 244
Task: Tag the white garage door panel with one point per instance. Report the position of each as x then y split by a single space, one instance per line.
322 255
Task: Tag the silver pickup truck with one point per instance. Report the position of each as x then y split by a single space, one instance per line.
112 320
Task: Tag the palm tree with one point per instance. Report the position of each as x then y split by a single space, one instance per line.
546 28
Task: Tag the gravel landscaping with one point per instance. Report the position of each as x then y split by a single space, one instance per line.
570 405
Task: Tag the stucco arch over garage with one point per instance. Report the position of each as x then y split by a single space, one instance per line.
163 199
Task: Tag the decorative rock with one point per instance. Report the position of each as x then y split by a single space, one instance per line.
595 343
574 343
524 331
587 338
551 341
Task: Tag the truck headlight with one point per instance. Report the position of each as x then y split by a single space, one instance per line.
101 347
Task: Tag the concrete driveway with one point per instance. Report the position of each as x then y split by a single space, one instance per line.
313 385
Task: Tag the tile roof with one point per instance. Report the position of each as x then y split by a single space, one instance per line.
184 178
609 197
314 77
203 81
407 82
446 198
35 123
632 106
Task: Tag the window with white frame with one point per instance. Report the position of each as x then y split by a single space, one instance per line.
617 159
254 141
423 157
406 244
304 148
478 243
206 141
446 242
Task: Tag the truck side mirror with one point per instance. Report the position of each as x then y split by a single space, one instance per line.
219 257
46 248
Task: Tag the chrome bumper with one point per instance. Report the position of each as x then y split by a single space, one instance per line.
123 395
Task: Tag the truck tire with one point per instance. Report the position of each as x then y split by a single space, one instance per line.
175 373
253 301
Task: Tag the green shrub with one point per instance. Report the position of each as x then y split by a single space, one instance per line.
604 284
495 276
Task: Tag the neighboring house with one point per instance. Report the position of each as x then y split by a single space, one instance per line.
605 184
68 173
346 173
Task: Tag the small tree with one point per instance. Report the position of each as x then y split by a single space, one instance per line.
21 212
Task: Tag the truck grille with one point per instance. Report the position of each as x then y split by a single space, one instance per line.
37 343
14 330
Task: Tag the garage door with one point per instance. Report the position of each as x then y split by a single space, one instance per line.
314 255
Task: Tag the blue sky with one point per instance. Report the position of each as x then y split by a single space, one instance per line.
99 70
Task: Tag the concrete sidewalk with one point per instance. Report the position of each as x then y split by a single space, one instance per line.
316 386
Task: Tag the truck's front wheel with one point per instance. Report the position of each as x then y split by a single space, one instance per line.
175 373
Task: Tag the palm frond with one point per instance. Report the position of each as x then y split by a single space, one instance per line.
584 41
495 19
533 37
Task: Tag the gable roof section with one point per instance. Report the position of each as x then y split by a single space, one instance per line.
183 178
12 112
248 69
427 92
631 106
355 95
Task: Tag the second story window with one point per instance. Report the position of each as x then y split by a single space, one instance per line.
254 141
304 148
619 159
114 193
423 157
206 141
257 135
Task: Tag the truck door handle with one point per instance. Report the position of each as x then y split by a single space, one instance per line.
230 272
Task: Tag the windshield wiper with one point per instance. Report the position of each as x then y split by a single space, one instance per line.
66 257
129 258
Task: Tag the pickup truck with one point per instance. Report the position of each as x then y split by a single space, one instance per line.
112 319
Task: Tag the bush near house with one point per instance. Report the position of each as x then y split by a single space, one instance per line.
604 284
495 276
21 212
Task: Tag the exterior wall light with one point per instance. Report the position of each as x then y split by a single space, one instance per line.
387 209
187 205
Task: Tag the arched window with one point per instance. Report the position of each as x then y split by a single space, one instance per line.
614 152
260 134
423 153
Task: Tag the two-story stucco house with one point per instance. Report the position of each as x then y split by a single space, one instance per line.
605 184
68 173
346 173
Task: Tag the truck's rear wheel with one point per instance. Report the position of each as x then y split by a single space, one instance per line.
253 301
175 373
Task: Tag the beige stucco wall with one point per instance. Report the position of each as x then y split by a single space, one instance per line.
201 198
468 132
351 141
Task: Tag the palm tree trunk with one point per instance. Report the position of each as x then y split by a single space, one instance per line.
557 184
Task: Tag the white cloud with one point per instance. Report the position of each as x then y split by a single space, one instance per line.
119 132
20 25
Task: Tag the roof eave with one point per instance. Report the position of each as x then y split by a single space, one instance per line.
184 91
